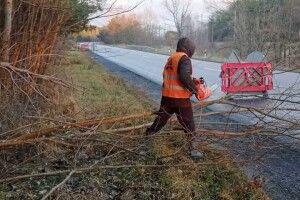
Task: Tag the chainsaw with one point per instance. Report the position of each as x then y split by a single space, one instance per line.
203 90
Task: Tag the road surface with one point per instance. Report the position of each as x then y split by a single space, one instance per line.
150 66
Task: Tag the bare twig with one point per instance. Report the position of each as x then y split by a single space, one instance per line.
58 185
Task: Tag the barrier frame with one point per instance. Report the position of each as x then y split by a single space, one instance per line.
246 77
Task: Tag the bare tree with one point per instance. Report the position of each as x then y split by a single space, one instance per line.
179 11
7 29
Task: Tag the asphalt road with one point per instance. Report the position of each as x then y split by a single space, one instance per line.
150 66
281 161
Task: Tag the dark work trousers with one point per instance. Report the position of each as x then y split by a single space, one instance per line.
184 116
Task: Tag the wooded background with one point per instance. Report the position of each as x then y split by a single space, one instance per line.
33 36
271 26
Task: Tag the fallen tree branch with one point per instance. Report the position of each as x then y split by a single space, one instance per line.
203 132
80 124
59 185
210 102
127 129
220 112
16 70
93 122
34 137
224 134
261 111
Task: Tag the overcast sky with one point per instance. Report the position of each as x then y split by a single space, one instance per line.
201 9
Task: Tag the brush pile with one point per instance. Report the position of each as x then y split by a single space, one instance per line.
107 158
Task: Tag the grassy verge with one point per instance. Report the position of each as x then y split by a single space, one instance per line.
135 167
105 94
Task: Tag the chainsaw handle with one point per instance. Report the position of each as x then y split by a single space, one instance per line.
201 80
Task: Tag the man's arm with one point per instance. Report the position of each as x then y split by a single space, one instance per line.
185 72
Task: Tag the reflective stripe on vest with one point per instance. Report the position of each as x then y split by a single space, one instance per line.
172 86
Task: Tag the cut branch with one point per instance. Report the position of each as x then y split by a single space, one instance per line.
59 185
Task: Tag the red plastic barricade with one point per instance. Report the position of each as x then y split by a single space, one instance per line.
246 77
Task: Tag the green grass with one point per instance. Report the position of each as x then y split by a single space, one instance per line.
220 181
105 94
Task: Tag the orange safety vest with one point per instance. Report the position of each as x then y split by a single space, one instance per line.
172 86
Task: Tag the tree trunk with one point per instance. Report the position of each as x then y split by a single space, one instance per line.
7 30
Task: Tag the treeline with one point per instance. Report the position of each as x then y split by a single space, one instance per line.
31 30
271 26
130 29
33 36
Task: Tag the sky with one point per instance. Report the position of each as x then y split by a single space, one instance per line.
201 9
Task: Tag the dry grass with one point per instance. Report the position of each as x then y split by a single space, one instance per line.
182 178
106 95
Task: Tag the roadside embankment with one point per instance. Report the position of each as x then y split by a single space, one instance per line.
100 151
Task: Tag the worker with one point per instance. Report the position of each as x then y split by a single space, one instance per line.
178 87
